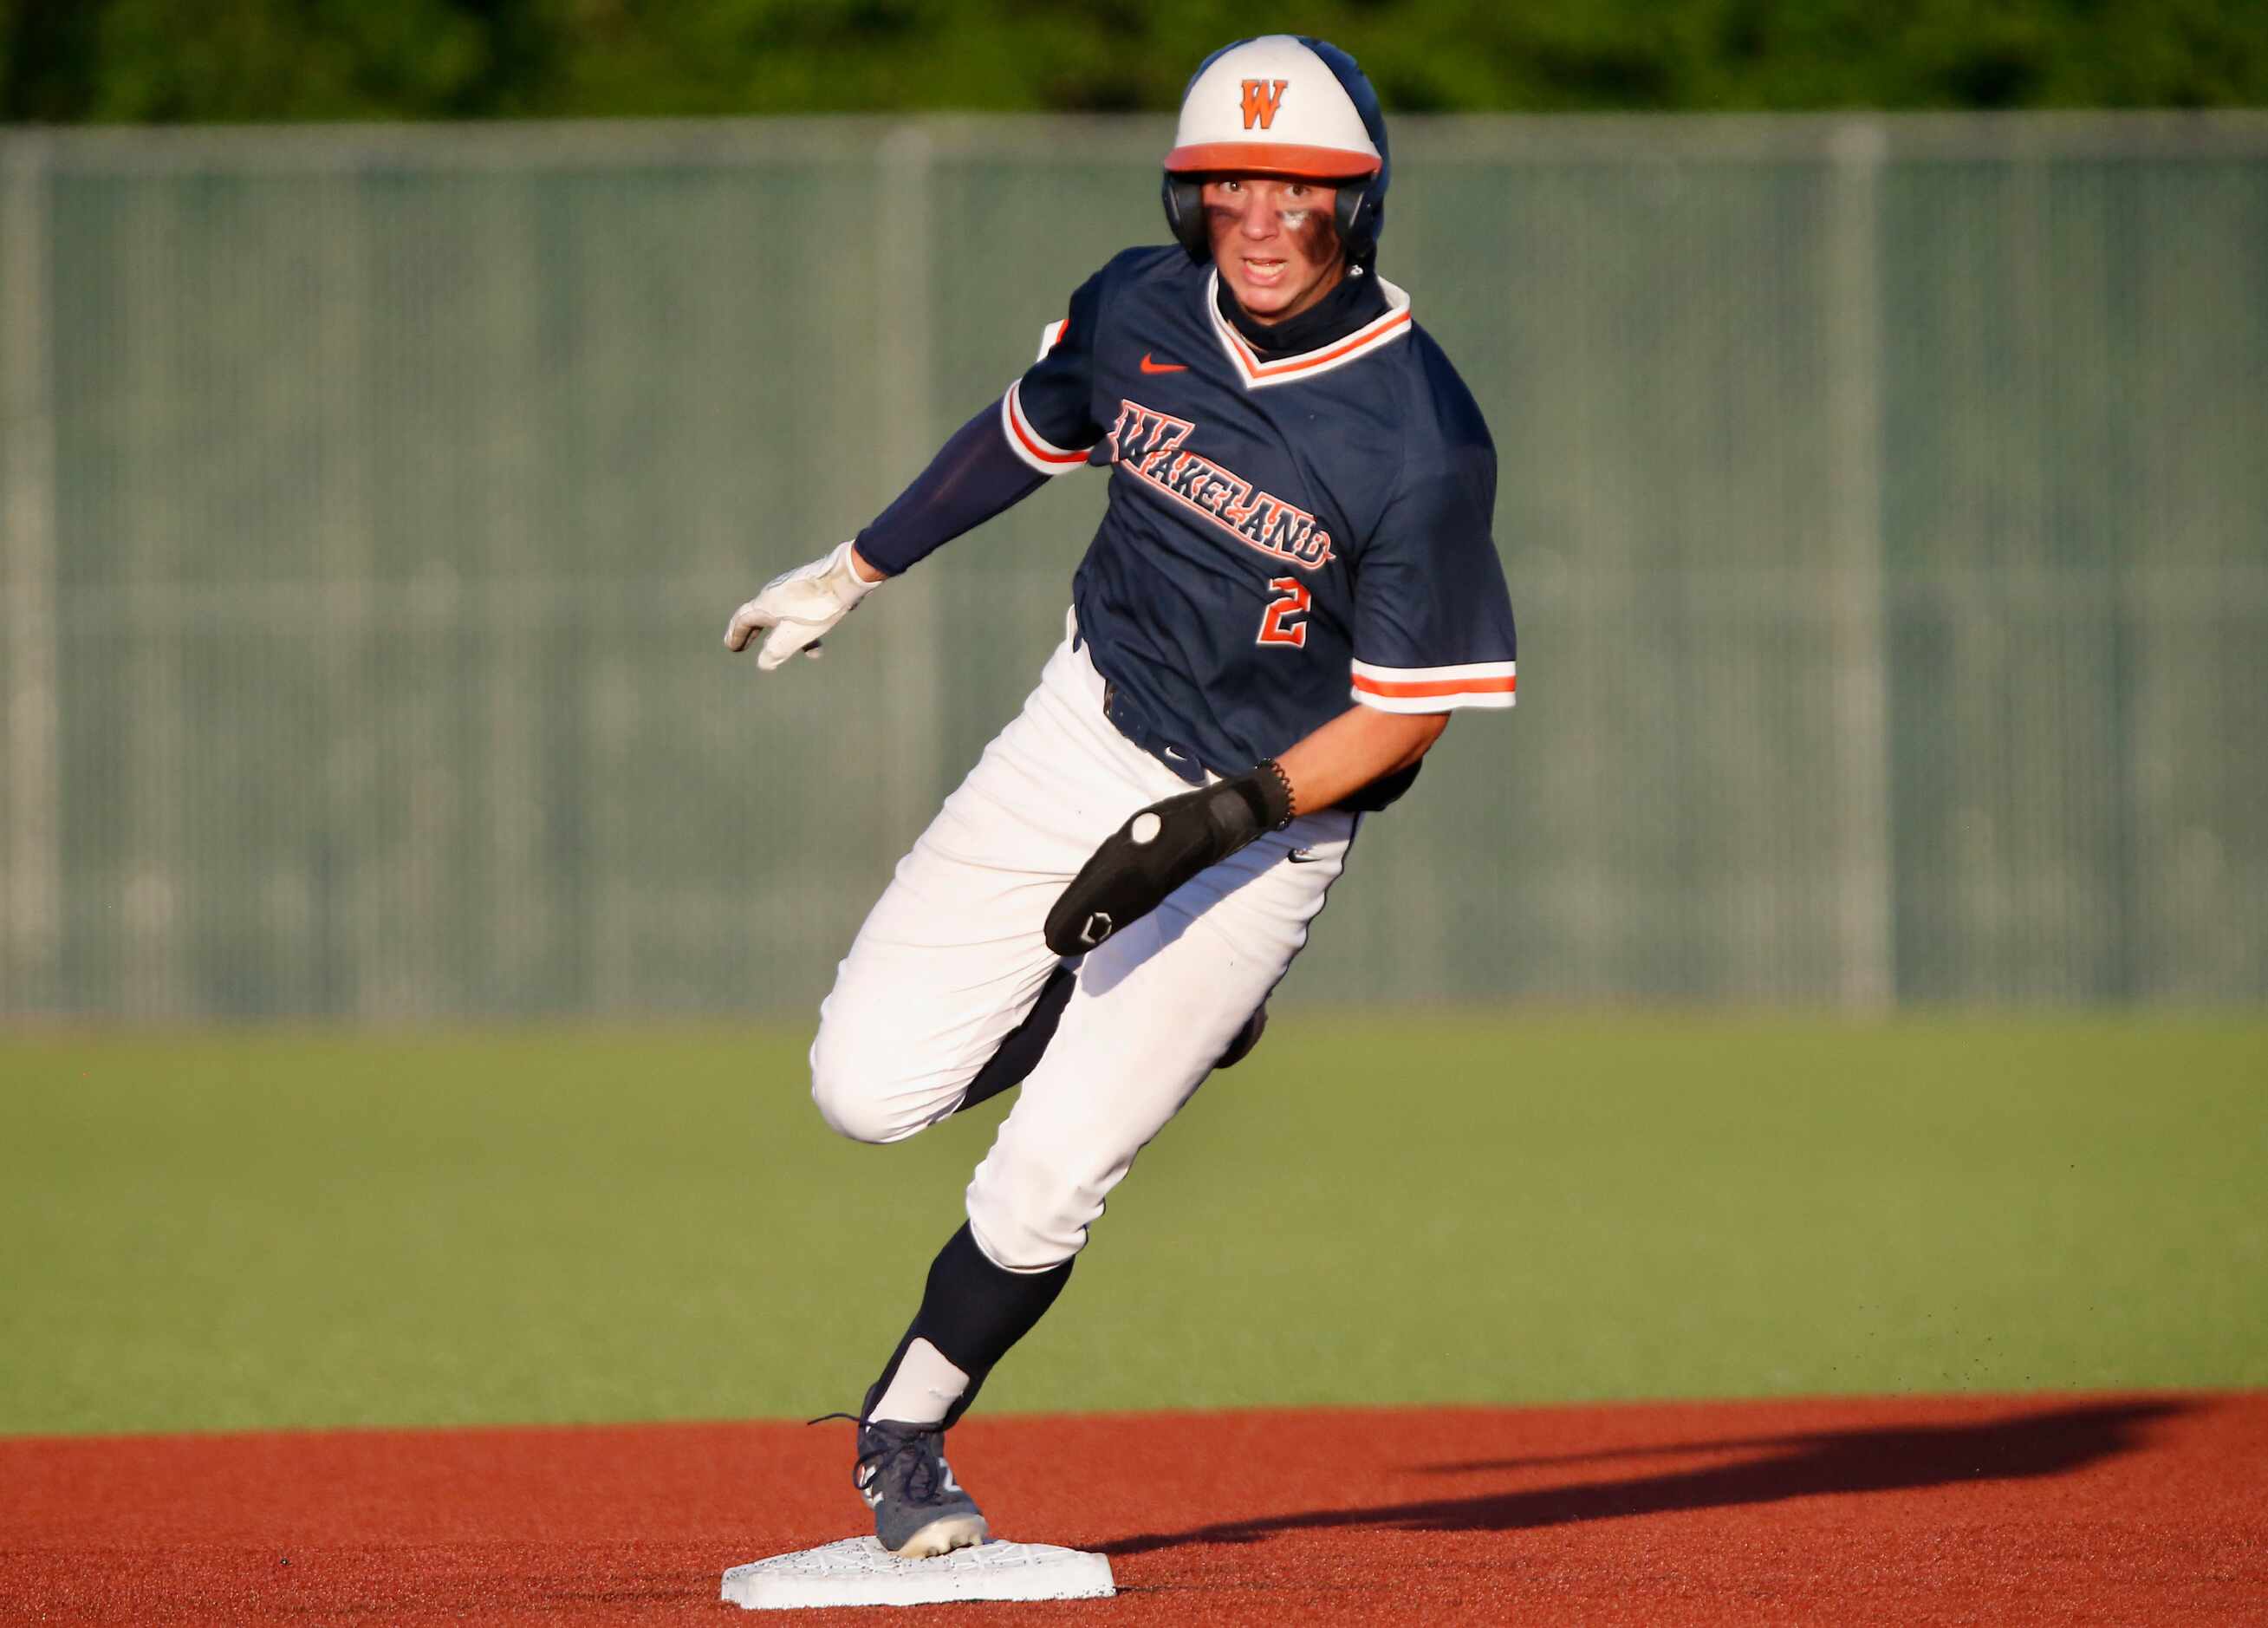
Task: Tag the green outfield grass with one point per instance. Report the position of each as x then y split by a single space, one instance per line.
259 1229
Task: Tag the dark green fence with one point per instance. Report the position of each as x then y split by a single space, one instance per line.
1885 502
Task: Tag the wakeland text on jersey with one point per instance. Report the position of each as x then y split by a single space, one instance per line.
1145 442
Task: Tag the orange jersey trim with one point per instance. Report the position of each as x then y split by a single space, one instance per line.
1255 368
1038 449
1419 688
1396 324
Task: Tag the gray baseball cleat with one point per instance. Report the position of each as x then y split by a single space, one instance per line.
919 1509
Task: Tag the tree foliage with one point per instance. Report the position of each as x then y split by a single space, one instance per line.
169 60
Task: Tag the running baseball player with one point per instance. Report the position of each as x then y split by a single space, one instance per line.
1293 586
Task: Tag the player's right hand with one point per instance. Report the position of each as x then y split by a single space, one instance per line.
799 606
1162 847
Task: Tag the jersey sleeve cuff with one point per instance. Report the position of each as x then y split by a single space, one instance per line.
1492 684
1030 444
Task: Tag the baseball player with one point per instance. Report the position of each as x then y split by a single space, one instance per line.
1291 587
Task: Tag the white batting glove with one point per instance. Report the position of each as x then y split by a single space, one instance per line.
799 608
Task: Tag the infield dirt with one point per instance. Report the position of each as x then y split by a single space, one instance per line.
2037 1509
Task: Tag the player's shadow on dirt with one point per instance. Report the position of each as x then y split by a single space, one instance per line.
1887 1459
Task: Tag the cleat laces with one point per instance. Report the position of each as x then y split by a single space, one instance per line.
909 1458
906 1459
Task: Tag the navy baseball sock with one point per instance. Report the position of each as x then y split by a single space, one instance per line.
971 1313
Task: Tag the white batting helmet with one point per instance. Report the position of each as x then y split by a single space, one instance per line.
1281 104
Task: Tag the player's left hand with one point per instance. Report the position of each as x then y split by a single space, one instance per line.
1160 848
799 606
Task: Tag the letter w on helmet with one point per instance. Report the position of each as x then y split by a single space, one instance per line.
1262 99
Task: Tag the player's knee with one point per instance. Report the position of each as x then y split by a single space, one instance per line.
1027 1217
858 1087
843 1082
861 1118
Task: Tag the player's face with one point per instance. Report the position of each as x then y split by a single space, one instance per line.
1276 242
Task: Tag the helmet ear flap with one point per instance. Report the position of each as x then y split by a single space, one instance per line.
1357 215
1184 198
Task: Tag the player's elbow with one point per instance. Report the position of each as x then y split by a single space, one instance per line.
1415 734
1397 738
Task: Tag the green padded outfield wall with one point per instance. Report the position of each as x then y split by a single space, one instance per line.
1885 503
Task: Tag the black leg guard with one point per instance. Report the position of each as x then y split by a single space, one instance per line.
973 1312
1020 1054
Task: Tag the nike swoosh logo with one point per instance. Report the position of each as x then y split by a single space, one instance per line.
1303 856
1148 367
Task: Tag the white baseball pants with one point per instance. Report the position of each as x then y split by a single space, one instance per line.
951 959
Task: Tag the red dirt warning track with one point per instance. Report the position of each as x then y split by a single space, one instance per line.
2110 1509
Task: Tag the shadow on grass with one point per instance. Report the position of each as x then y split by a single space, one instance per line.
1880 1459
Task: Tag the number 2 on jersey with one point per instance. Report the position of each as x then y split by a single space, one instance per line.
1291 600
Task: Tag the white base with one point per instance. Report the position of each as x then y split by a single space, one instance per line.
858 1571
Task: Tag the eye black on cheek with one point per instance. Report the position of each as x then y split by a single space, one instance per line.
1318 237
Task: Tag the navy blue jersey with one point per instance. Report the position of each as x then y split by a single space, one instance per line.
1282 533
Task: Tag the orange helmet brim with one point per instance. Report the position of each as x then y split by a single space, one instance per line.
1272 158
